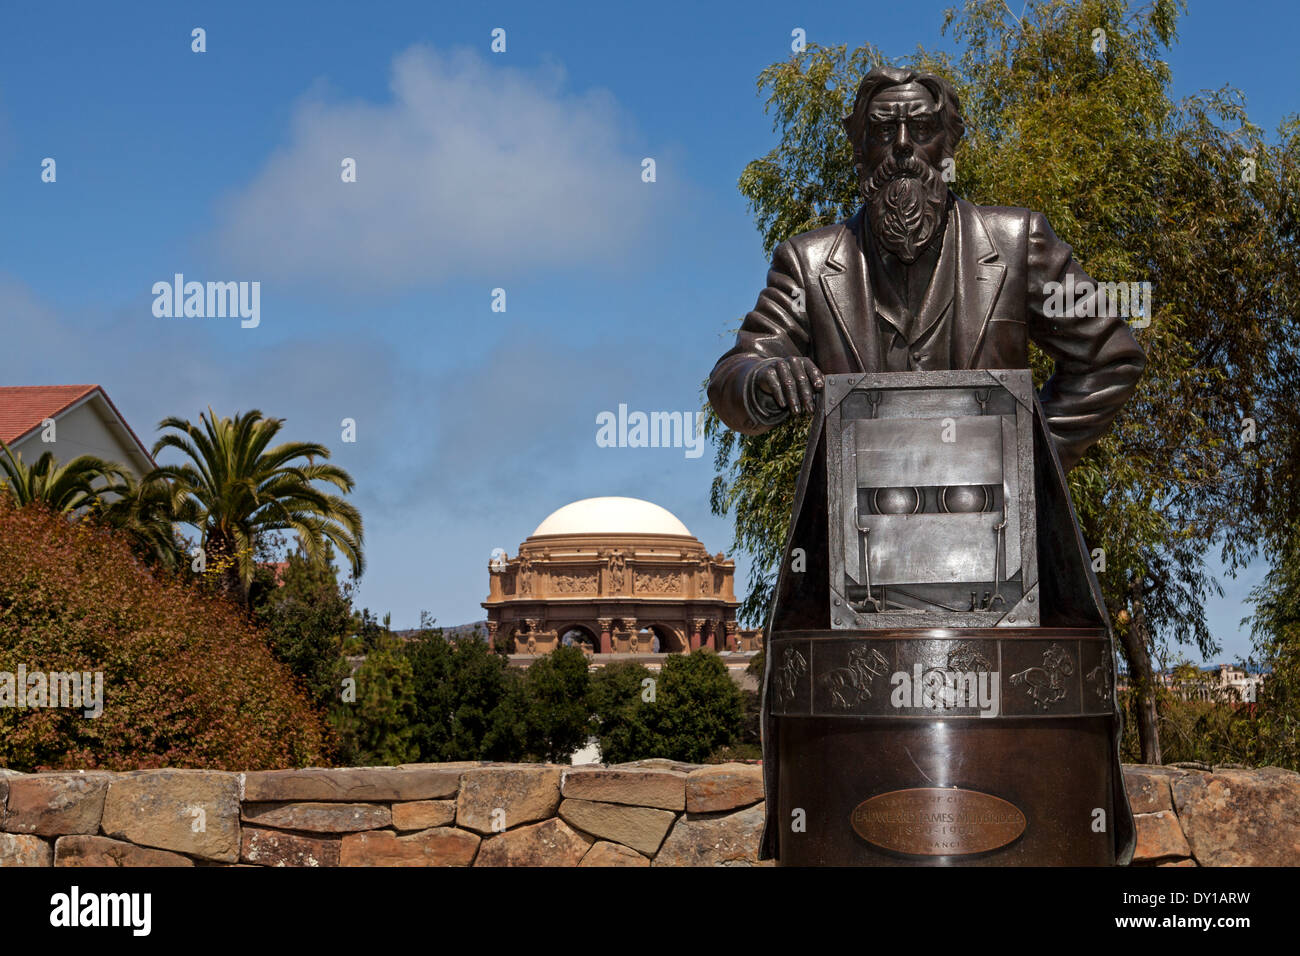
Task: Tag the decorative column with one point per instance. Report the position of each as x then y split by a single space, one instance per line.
733 636
606 625
697 629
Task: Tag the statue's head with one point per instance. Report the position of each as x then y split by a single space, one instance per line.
903 126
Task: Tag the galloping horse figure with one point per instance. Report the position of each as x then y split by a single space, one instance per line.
966 659
1046 684
793 666
852 684
1100 677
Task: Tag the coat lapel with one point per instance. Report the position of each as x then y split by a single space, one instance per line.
979 280
848 293
940 292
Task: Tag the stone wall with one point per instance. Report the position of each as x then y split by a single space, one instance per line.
1224 817
651 812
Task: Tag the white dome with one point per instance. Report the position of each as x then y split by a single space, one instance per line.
611 516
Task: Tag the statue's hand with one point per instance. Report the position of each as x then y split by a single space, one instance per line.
789 383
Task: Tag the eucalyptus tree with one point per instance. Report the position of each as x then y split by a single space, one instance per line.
1068 111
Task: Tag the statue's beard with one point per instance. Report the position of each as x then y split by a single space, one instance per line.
905 211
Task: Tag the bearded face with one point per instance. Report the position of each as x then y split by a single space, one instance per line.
900 170
905 204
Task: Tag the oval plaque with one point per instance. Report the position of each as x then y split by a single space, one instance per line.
937 821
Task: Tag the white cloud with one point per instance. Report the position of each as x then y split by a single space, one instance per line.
473 168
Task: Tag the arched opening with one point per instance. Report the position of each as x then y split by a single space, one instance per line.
664 639
580 636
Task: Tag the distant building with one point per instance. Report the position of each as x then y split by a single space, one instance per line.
69 421
1222 683
613 576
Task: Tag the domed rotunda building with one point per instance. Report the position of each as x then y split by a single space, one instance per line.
615 576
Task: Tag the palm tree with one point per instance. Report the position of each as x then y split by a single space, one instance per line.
147 512
238 489
67 488
94 489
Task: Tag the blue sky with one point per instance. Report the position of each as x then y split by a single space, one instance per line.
475 171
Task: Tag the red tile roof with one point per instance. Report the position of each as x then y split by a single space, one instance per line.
24 407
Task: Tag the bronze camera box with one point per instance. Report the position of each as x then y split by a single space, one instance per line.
930 492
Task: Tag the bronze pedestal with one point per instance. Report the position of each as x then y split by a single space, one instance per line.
940 676
998 756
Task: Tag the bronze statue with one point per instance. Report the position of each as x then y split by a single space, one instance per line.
942 577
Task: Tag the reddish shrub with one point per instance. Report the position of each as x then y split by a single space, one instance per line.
188 682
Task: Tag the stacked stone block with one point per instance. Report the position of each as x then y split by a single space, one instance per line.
648 813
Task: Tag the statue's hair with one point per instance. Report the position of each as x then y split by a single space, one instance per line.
883 77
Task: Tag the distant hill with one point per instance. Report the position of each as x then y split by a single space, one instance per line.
459 630
467 630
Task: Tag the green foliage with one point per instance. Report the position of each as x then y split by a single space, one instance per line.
558 716
808 180
89 487
459 700
378 728
187 681
756 476
1276 630
465 703
468 703
1145 189
367 632
147 514
1196 731
621 716
697 709
751 728
64 488
236 489
305 620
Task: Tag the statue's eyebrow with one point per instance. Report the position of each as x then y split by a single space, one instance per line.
892 111
878 114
